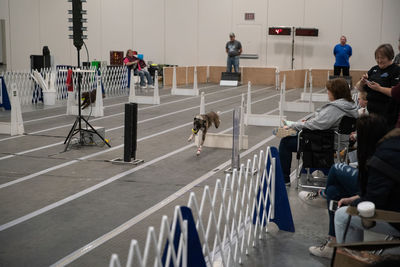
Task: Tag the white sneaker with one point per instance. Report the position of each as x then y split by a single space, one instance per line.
322 251
143 87
151 86
317 174
307 195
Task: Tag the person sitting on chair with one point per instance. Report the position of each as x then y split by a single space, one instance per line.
326 118
378 179
141 70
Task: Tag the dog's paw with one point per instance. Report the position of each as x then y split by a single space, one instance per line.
198 151
190 138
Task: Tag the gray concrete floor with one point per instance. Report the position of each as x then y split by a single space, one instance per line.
47 214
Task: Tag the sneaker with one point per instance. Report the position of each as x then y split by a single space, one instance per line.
318 174
151 86
322 251
143 86
307 195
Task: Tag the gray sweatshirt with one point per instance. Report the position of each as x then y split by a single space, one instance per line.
329 116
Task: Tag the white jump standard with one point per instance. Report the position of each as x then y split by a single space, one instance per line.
97 110
315 97
261 119
151 100
292 105
16 125
184 91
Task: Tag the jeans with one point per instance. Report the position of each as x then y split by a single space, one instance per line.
341 183
287 146
337 69
355 233
143 73
232 61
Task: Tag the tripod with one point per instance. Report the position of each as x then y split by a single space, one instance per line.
77 126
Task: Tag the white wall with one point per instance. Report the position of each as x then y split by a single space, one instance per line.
189 32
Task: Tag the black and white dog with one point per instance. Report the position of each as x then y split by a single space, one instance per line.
203 122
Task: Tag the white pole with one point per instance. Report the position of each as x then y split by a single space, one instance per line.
174 79
277 79
305 82
248 111
195 87
17 124
99 110
132 89
202 104
156 90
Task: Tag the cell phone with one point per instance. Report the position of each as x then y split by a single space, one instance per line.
333 205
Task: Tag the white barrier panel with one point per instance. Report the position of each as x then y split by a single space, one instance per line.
228 220
262 119
294 106
184 91
306 96
218 140
16 125
140 99
88 77
154 244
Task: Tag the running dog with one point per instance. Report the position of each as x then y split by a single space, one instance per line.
203 122
89 98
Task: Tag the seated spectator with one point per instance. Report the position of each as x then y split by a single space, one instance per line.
130 62
327 117
141 70
362 103
385 74
341 183
378 178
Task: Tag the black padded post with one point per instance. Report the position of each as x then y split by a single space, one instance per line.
130 132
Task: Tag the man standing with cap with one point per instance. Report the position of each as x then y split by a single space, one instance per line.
342 54
233 49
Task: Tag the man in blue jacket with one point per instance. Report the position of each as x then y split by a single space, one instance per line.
342 54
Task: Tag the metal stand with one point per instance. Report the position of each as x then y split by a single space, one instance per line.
77 126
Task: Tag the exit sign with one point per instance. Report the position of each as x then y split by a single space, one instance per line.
249 16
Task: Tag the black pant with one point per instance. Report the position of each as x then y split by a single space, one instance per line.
336 70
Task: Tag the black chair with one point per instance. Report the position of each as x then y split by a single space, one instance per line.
317 150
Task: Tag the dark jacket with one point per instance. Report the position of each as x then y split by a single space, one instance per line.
383 187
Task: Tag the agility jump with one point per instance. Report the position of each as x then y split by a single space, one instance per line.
16 125
184 91
315 97
262 119
98 109
152 100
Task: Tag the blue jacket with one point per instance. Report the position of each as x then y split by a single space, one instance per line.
342 54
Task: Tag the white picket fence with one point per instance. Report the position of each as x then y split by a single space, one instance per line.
224 220
114 79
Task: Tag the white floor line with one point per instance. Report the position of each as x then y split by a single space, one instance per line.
106 106
123 227
119 127
128 224
110 116
105 182
28 177
92 188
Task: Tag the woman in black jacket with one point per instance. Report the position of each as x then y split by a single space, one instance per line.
379 179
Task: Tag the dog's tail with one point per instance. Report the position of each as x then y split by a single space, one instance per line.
217 121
